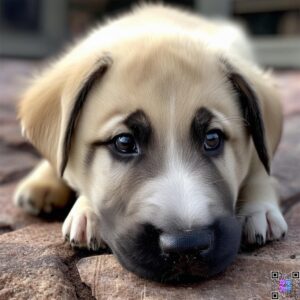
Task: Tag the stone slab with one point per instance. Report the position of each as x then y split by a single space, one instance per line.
35 263
15 164
248 278
286 163
288 82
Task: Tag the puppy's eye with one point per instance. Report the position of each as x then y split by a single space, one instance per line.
125 143
213 141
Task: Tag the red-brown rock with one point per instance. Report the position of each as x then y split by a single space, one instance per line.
35 263
248 278
286 163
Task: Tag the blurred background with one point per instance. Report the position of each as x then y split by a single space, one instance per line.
40 28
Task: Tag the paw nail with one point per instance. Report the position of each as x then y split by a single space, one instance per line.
93 244
259 239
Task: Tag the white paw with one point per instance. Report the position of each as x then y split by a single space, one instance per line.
82 227
36 197
262 222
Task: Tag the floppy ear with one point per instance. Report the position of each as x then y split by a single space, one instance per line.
250 108
50 109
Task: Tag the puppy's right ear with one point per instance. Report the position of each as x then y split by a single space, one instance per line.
50 109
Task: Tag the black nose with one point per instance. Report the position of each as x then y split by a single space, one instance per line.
180 255
187 241
215 246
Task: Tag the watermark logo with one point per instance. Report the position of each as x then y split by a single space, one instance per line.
285 286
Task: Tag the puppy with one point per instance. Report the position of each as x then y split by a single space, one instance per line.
165 127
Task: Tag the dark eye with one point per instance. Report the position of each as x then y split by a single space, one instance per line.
125 143
213 140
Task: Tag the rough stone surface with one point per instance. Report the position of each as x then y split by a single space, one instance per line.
36 264
248 278
286 163
17 157
290 91
14 166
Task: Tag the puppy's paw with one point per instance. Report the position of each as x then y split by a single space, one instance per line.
262 222
37 196
82 227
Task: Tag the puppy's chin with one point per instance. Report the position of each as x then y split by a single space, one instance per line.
142 254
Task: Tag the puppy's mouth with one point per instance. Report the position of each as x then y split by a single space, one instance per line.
178 257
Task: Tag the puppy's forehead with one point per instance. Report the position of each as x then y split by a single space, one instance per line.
169 68
163 78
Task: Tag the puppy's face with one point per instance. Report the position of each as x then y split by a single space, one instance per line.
161 149
158 137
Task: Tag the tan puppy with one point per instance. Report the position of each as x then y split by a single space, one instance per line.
164 126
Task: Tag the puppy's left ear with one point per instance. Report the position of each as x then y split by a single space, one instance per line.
251 111
51 107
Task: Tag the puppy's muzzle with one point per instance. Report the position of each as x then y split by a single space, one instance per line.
186 255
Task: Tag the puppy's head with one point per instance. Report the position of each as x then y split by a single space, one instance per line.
159 136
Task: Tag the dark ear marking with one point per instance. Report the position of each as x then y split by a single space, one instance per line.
251 112
104 63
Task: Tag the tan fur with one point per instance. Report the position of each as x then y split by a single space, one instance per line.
42 190
175 62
